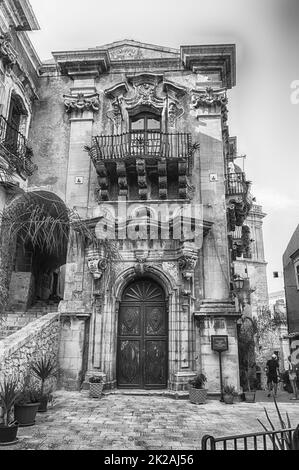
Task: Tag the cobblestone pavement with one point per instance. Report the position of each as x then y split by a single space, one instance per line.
126 422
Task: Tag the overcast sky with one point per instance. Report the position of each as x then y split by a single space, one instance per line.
266 33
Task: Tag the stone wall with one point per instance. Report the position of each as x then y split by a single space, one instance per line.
28 344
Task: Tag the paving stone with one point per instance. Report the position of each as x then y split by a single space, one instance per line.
154 423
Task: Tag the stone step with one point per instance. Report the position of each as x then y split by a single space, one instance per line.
147 393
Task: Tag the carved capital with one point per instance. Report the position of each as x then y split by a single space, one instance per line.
81 102
208 98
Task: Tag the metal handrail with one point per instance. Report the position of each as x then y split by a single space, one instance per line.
269 440
236 184
142 144
17 153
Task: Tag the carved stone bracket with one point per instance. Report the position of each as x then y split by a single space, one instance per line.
96 264
188 260
183 180
82 102
141 178
7 52
122 178
162 172
102 191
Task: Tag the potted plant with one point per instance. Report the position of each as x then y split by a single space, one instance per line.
229 392
96 384
43 369
9 428
27 404
197 391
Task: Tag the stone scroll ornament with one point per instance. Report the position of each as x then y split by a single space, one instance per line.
97 266
187 265
7 52
209 98
82 102
174 113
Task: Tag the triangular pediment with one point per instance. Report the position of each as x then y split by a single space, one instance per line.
134 50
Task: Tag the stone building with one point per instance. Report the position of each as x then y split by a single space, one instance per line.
250 263
291 282
131 142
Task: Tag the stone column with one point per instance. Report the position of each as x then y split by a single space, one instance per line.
80 104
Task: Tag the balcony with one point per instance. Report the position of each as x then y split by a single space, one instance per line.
236 184
15 151
143 164
142 145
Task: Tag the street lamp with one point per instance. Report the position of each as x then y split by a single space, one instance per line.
238 283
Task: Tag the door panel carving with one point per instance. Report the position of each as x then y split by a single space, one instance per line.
142 357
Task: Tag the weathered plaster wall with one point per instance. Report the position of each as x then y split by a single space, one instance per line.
49 136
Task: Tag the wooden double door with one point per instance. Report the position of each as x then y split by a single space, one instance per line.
142 353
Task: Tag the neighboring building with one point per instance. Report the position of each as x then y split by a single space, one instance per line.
277 299
19 72
134 138
291 282
250 264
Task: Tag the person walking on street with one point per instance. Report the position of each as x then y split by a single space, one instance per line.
272 371
293 378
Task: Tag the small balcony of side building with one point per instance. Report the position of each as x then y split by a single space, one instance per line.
15 154
238 197
137 159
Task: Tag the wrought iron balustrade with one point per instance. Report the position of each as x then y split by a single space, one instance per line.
142 144
282 439
236 184
14 149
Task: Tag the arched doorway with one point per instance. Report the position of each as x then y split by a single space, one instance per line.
142 346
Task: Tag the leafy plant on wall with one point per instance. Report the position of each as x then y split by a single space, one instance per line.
49 226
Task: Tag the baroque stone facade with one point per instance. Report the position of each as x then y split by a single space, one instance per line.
144 160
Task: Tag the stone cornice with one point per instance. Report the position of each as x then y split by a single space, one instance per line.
220 58
91 62
20 15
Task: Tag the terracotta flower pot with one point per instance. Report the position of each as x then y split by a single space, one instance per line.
25 414
198 395
249 397
8 434
95 389
228 399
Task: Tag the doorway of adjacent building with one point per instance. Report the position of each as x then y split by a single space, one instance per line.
142 354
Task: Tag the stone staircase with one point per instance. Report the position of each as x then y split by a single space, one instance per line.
15 320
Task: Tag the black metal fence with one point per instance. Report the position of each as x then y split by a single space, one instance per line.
283 439
236 184
143 144
18 153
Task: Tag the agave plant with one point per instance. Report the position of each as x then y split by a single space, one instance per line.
8 397
285 442
43 368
